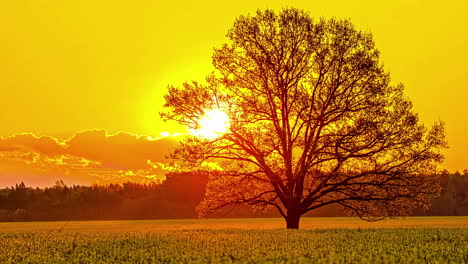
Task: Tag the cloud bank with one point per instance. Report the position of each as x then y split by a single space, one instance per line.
88 157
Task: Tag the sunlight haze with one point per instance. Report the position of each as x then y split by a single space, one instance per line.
68 67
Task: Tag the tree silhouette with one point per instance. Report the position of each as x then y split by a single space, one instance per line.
314 121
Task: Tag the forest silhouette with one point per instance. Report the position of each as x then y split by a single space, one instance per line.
175 198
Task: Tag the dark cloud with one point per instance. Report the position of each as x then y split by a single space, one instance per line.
120 151
28 141
93 155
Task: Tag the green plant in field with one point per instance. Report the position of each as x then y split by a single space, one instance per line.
239 246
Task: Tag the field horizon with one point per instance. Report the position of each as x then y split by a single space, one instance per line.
307 223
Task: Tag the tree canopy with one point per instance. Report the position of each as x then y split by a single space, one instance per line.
313 120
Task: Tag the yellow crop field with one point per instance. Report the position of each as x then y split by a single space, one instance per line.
320 240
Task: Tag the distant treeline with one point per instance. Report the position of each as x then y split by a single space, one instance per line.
176 197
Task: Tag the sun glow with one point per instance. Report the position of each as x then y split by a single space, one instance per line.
212 125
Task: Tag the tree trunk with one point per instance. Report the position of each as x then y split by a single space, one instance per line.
292 219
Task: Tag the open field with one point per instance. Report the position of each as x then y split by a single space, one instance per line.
320 240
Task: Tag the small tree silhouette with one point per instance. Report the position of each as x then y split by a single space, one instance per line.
314 121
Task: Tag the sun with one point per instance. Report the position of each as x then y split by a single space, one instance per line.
212 125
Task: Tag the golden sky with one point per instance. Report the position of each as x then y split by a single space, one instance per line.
69 67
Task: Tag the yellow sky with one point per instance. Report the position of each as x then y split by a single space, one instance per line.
68 66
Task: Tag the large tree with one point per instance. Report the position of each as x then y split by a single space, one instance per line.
313 120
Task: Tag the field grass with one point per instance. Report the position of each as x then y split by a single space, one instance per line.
320 240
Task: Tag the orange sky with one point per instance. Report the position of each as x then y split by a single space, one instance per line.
70 66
